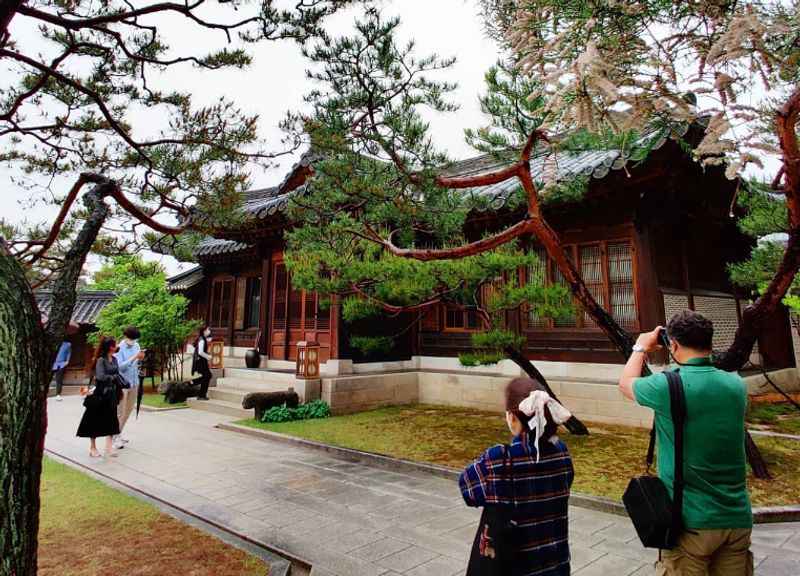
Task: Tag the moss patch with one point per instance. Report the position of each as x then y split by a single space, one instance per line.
87 528
605 460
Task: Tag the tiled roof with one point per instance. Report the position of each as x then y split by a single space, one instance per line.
88 304
185 280
214 246
266 202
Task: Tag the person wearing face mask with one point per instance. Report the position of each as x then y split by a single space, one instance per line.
530 479
200 361
128 356
717 518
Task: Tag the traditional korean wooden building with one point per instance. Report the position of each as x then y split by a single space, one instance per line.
649 238
88 305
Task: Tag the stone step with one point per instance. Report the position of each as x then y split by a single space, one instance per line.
245 385
259 375
220 407
227 394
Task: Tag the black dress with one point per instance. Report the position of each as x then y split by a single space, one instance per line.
101 419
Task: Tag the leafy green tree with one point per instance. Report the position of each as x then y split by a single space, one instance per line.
143 301
75 77
119 272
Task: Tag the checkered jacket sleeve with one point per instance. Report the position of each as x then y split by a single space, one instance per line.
479 482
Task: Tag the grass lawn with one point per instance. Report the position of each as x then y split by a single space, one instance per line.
156 400
88 528
776 417
604 460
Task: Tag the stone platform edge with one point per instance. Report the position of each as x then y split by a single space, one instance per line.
761 515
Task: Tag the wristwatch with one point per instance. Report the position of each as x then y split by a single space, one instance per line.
639 348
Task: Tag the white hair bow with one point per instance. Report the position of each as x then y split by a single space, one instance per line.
533 407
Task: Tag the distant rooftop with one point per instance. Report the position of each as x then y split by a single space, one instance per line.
88 304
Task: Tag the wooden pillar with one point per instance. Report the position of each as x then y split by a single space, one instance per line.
334 328
263 318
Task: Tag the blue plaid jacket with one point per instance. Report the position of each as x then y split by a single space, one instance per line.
541 494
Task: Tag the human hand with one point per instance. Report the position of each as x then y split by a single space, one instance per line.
649 340
140 356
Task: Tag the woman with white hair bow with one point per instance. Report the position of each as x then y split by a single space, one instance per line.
524 489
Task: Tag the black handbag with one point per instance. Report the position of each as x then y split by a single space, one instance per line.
495 547
657 519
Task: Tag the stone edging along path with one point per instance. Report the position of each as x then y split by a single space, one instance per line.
763 515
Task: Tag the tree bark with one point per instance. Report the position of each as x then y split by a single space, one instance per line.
27 350
574 425
25 353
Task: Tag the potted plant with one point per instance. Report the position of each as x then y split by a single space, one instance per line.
252 357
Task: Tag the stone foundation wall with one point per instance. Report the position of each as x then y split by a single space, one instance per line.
357 393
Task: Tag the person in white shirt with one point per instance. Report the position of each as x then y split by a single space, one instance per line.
200 361
128 356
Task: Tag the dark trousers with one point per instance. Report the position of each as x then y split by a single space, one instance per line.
205 377
60 379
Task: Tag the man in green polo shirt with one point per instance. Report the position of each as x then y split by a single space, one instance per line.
716 505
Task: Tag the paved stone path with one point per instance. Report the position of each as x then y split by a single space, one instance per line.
346 519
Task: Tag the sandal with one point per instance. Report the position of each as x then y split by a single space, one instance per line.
94 454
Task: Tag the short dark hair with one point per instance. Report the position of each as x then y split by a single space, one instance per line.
132 332
519 389
692 330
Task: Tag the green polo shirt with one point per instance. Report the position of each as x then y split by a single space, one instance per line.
715 469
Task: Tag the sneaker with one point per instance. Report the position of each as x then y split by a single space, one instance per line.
59 398
202 397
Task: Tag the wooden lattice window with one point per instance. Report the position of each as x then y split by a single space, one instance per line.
621 285
607 271
459 319
222 295
591 267
253 302
279 293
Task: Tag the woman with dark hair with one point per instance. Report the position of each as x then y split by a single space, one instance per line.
200 361
100 417
128 356
525 487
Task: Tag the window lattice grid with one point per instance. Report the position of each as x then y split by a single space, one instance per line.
591 259
279 299
537 273
621 287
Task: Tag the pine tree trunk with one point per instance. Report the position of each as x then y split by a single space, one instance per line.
25 357
573 424
27 350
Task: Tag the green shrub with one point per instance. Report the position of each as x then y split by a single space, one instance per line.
312 410
280 413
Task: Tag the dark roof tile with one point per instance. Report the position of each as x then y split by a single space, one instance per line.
88 304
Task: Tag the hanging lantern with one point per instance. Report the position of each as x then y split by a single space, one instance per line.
307 360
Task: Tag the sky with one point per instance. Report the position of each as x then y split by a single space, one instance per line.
276 83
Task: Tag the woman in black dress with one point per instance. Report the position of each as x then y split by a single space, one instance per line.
100 417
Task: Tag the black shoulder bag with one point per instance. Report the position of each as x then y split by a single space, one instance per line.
657 519
495 547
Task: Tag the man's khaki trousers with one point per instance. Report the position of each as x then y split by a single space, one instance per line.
125 406
713 552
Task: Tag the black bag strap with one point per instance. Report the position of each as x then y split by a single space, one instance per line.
651 446
678 411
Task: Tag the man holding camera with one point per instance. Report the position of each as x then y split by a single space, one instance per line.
717 518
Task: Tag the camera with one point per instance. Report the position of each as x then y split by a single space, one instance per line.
663 338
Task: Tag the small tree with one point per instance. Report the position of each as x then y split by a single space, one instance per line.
143 301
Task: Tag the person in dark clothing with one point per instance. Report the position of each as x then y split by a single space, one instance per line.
200 361
60 366
533 474
100 417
